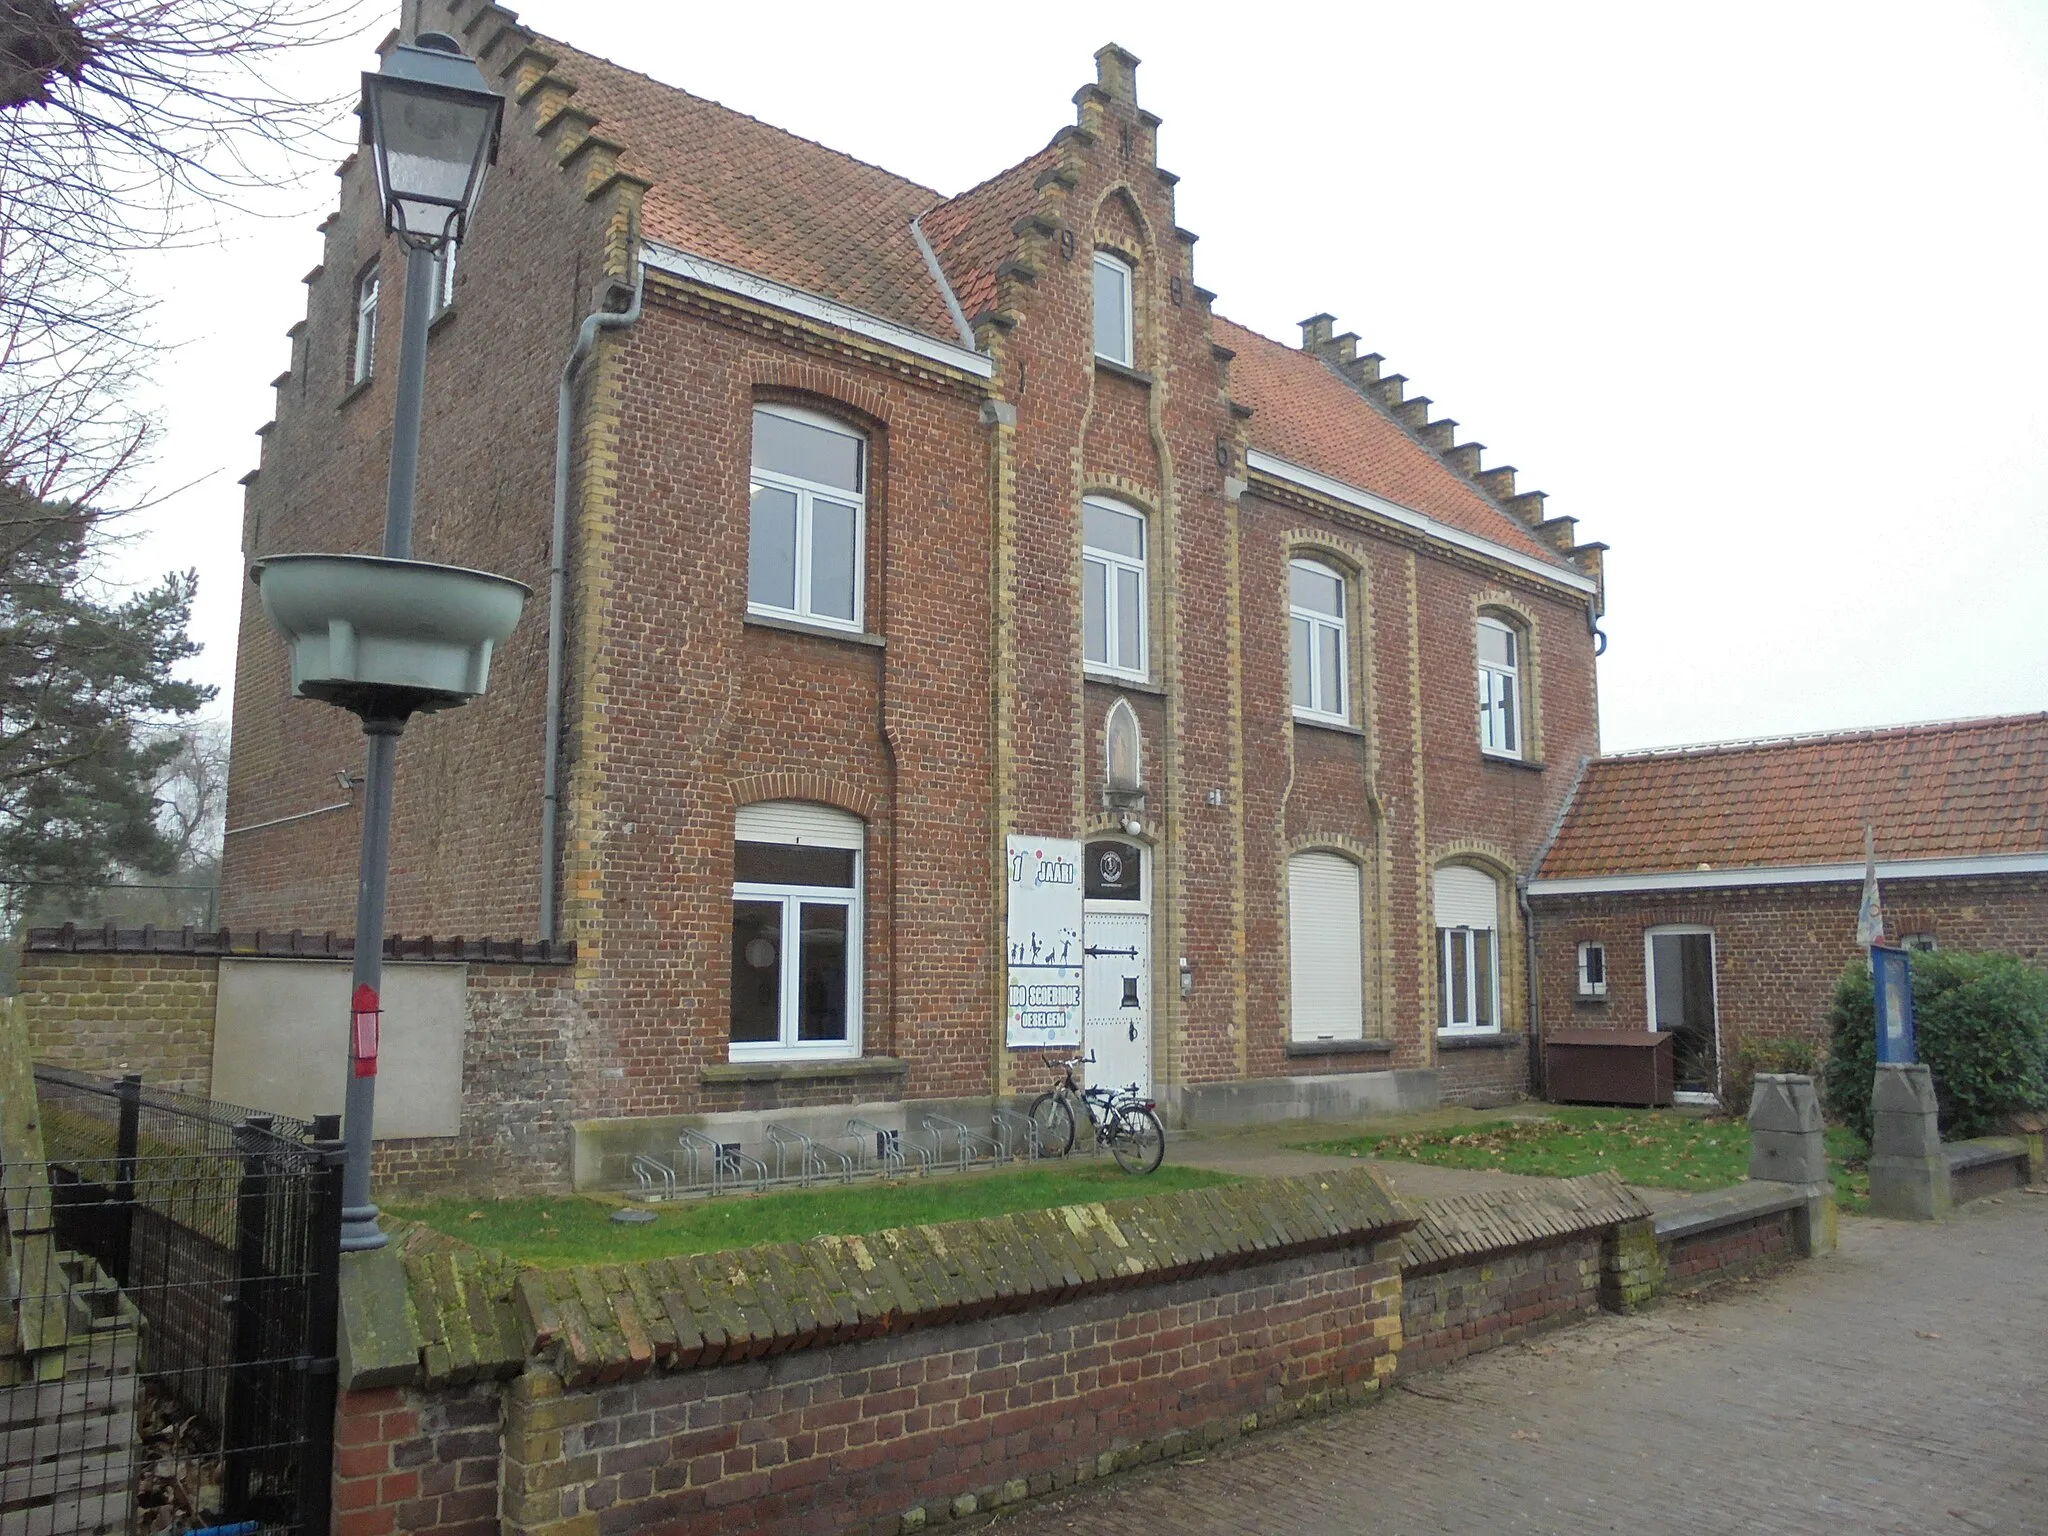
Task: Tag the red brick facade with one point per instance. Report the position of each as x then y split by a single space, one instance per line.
1778 949
962 713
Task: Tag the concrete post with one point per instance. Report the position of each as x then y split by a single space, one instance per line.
1788 1145
1908 1173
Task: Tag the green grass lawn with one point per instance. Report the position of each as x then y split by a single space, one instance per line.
1658 1148
557 1231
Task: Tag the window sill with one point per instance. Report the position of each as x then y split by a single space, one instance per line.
1340 1048
1122 370
820 1069
822 631
355 392
1446 1041
1129 684
445 314
1503 760
1337 727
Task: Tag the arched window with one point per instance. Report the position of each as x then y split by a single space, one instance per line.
796 928
1325 948
1468 950
809 515
1113 603
1113 330
1320 641
1502 709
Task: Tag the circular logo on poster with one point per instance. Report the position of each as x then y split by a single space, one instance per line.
760 954
1112 867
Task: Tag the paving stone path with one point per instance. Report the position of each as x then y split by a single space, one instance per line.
1899 1386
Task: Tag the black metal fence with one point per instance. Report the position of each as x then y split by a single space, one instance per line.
175 1324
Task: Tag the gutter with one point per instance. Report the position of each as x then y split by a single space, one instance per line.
1963 867
931 261
558 584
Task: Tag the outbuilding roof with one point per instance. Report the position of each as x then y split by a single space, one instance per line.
1959 789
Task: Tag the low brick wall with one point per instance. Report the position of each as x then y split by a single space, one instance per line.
873 1384
1487 1269
1727 1252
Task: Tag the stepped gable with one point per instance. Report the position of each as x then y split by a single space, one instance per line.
1930 791
739 191
975 233
1306 414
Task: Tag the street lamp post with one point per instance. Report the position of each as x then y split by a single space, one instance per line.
389 637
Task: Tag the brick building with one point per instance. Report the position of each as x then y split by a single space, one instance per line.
1714 890
900 525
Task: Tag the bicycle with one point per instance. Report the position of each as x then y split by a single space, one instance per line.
1129 1126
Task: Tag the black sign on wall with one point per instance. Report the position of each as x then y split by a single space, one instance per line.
1113 872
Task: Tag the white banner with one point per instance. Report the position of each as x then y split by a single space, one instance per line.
1045 941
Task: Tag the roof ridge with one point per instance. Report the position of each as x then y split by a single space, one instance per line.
1809 738
986 182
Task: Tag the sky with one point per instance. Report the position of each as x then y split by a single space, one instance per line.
1753 291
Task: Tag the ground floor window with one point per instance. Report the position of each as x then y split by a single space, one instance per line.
1326 953
796 931
1468 950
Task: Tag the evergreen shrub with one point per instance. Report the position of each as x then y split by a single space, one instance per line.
1982 1026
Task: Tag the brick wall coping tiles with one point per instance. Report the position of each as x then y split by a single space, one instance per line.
478 1314
1456 1229
267 944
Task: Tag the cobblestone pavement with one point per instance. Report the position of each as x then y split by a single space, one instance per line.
1899 1386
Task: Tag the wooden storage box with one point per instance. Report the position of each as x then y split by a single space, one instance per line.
1607 1066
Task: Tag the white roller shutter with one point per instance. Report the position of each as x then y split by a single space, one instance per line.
1325 948
797 821
1466 898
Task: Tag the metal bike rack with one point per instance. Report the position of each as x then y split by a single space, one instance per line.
814 1158
892 1149
1015 1132
730 1167
657 1179
969 1146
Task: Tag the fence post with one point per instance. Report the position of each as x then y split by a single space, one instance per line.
323 1316
252 1203
130 1092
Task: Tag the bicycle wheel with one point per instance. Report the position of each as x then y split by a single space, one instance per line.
1055 1122
1136 1139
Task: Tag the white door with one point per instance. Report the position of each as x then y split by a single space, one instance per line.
1116 993
1326 954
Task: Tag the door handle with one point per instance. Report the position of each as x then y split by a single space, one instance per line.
1134 1032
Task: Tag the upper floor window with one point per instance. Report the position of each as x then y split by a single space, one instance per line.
1113 338
1113 588
1500 689
1316 620
364 357
809 510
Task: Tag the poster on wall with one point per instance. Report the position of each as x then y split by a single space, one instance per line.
1044 942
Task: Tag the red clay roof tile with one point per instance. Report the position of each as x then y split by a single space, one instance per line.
1304 413
1930 791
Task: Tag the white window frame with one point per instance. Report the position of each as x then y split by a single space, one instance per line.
1317 622
1590 987
1494 680
806 492
1110 261
788 1047
363 356
1675 930
1110 562
1464 936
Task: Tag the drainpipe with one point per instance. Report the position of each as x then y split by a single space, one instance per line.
1536 1079
558 584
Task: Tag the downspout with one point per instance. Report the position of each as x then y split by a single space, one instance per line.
558 585
1536 1075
